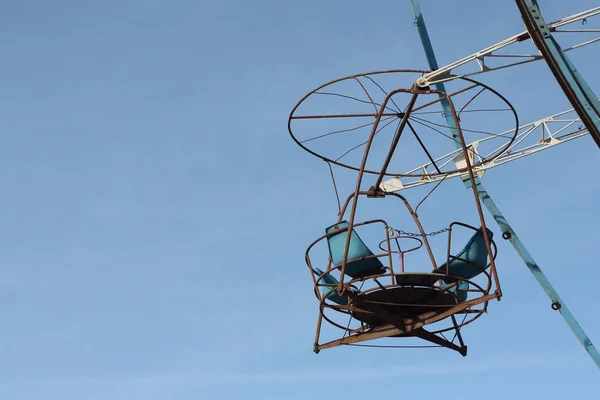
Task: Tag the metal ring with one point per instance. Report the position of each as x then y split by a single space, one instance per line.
506 235
556 306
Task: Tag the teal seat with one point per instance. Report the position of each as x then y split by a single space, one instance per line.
357 266
462 293
471 261
333 296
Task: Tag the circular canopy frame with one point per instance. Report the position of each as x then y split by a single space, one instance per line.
366 104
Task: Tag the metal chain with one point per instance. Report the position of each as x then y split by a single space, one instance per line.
393 231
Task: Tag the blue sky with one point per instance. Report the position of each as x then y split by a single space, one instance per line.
155 213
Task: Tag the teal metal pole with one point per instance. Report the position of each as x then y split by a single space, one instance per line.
576 89
557 303
507 231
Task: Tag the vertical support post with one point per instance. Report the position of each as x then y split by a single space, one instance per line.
363 165
557 302
433 65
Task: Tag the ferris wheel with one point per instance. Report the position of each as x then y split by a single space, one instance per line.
380 125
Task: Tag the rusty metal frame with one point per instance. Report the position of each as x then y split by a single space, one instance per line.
400 252
378 114
357 336
394 325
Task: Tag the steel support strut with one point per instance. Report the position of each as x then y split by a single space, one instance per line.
557 302
579 94
507 231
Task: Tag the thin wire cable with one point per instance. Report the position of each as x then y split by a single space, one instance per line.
460 326
488 109
386 93
470 101
354 98
363 143
428 194
337 196
463 129
344 130
351 317
445 338
472 149
437 130
367 93
423 147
